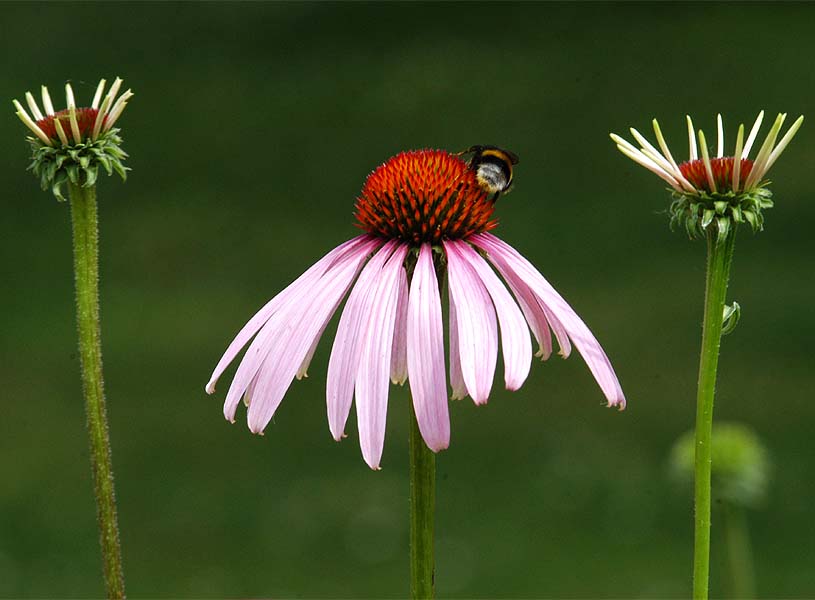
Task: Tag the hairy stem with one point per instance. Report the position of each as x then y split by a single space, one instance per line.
719 257
86 272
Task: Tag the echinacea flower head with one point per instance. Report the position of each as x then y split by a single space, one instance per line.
69 145
426 221
718 190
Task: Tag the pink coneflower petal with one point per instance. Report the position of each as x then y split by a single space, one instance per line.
534 315
475 322
515 343
306 280
373 379
284 316
543 316
459 388
296 326
250 391
399 370
507 260
560 331
347 349
425 337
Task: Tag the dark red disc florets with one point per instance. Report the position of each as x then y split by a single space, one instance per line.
85 118
722 169
424 196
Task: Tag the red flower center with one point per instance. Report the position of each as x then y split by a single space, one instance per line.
424 196
85 118
722 169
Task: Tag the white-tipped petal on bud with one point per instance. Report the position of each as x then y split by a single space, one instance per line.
114 89
667 153
29 122
748 145
651 152
69 96
117 109
639 158
691 140
32 104
46 102
760 163
706 160
61 132
736 159
663 145
74 125
98 95
720 136
100 118
783 143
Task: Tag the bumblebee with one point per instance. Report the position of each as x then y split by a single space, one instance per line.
493 168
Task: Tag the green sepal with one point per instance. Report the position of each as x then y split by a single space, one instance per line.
736 212
73 173
723 223
105 161
79 163
750 216
696 212
91 175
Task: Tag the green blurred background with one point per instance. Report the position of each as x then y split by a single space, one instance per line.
252 130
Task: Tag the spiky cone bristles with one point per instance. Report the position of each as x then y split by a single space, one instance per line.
424 196
718 192
71 144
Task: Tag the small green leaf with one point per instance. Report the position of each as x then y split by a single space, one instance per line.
730 318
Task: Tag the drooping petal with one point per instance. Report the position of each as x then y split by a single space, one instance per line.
302 371
459 389
425 353
347 348
250 391
534 315
278 319
515 342
296 327
307 280
475 321
506 259
399 371
372 379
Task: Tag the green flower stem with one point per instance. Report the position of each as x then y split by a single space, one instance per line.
739 555
86 271
422 507
719 257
